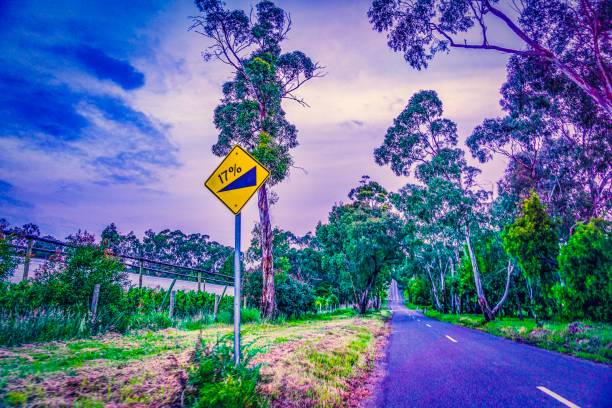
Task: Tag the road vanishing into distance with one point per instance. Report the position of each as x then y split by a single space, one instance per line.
435 364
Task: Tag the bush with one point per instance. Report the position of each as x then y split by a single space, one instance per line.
42 326
585 266
247 315
294 298
72 287
417 291
195 322
8 262
533 242
150 321
58 294
215 380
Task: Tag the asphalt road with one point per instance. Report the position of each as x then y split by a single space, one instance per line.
436 364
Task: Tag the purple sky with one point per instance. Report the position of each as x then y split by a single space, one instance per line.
107 115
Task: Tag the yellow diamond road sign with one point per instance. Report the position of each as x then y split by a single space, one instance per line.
237 178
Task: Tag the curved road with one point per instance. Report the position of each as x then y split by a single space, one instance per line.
436 364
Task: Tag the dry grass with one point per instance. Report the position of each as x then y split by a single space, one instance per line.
323 366
313 363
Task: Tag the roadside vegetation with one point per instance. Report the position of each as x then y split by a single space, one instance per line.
288 365
584 339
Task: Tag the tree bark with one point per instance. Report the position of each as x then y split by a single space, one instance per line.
268 302
365 295
482 300
434 290
506 290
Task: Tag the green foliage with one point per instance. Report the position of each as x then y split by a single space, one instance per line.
361 242
585 266
150 321
41 326
532 240
293 297
250 113
8 262
247 315
418 291
216 381
28 315
16 398
71 288
422 28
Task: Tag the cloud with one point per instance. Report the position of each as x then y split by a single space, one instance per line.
35 109
6 196
352 124
68 91
103 66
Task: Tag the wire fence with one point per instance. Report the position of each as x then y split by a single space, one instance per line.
28 249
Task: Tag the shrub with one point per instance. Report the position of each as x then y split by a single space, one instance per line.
294 298
215 380
585 266
8 262
151 321
195 322
533 242
247 315
418 292
72 287
42 326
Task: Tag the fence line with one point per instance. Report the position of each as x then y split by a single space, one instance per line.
138 264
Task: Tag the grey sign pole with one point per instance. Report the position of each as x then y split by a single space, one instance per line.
237 291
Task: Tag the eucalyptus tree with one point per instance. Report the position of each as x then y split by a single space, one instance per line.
572 37
250 113
555 140
532 240
449 204
175 247
361 242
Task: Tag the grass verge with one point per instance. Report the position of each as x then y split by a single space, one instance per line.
588 340
152 368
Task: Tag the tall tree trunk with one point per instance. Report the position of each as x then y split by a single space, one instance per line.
506 289
482 300
268 302
434 290
520 310
364 298
453 295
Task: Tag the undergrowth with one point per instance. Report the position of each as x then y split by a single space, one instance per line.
216 381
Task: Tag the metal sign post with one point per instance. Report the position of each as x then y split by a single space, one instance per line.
237 290
234 182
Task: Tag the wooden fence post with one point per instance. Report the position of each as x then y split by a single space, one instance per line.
172 297
94 303
216 306
199 280
166 295
28 255
218 299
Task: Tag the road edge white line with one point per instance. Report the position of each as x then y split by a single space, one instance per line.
556 396
451 339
